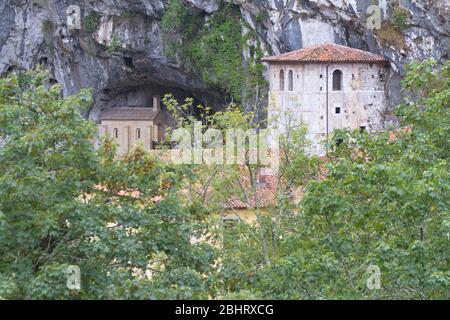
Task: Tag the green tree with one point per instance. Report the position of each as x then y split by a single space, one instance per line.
62 202
384 203
247 249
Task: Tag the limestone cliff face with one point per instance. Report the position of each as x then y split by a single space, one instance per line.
121 49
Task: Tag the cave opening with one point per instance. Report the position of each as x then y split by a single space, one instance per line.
128 61
43 61
144 95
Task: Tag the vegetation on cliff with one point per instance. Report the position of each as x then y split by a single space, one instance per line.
214 47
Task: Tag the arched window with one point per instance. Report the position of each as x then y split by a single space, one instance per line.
281 80
160 132
138 133
290 80
116 133
337 80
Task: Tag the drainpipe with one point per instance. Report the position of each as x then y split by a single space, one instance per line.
326 115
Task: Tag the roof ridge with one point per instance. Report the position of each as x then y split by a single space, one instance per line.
347 47
129 113
328 52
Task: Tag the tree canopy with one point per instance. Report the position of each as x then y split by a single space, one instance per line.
134 229
62 202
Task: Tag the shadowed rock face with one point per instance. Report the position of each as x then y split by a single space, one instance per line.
128 72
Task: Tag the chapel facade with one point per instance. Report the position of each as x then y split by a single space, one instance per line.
129 126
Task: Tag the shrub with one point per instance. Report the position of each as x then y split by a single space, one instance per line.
115 44
91 22
47 26
399 18
213 48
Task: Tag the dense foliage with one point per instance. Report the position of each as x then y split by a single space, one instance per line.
64 203
384 204
140 228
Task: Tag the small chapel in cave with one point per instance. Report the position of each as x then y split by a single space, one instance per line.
327 87
131 125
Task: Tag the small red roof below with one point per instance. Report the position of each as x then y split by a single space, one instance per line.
264 197
327 53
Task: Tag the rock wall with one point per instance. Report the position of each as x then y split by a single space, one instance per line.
120 50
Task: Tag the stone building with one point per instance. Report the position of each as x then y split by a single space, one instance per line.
327 87
128 126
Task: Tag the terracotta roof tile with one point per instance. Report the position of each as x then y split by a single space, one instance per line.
137 113
327 53
264 197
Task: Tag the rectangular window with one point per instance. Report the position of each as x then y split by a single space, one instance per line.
362 129
338 110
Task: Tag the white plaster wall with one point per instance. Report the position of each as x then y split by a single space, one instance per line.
362 98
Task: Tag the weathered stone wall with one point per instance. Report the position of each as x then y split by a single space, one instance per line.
362 101
127 132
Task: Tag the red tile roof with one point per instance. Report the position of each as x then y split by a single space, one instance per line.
264 197
129 113
327 53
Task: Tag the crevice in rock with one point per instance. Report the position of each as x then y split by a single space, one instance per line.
128 61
